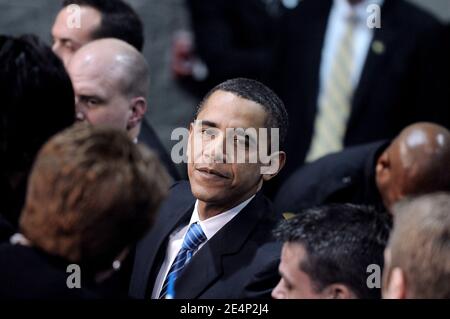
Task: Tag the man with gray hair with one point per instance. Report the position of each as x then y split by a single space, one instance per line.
417 258
111 79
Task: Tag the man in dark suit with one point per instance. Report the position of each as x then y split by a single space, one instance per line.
212 238
232 38
345 83
377 174
111 81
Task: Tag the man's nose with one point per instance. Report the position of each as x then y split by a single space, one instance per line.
80 116
80 113
277 292
56 47
215 149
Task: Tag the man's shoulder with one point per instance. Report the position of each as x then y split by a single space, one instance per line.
350 159
413 17
310 184
180 193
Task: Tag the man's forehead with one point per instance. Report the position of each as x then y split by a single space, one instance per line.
90 19
227 108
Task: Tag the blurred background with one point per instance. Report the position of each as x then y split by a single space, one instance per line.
170 105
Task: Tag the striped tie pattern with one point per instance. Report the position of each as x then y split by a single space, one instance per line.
194 238
335 100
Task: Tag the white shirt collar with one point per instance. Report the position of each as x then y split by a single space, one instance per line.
212 225
344 9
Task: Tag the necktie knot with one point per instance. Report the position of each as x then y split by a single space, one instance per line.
194 237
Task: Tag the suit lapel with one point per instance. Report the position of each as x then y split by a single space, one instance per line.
206 265
144 273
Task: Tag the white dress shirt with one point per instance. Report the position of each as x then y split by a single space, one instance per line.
209 226
363 36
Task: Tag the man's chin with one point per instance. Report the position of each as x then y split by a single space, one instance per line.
207 194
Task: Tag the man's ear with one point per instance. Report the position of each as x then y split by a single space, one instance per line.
138 108
383 164
395 285
277 161
338 291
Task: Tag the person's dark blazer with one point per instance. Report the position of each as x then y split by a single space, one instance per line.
6 229
239 261
344 177
149 137
404 82
236 38
28 273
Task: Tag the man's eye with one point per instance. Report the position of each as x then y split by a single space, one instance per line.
65 44
93 102
208 131
241 142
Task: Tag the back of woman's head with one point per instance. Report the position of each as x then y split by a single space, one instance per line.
91 194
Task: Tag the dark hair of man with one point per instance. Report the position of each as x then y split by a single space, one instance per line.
341 240
119 21
257 92
37 102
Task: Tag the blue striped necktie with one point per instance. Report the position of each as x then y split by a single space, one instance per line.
194 237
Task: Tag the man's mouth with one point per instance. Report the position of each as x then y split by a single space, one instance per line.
212 171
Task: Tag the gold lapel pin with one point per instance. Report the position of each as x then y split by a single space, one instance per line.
288 215
378 47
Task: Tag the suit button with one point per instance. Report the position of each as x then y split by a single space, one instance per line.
346 180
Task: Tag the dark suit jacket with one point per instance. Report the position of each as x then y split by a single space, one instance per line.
344 177
236 38
406 83
149 137
241 260
6 229
28 273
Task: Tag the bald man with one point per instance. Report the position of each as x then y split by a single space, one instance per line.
379 174
111 79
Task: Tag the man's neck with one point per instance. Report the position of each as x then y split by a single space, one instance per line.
354 2
207 209
134 132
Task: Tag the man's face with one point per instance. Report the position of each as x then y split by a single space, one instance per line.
294 283
99 98
214 175
67 38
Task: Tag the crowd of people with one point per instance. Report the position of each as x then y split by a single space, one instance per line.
356 203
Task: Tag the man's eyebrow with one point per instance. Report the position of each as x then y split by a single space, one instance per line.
248 137
90 96
206 123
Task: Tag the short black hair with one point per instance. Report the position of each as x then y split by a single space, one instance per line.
252 90
119 21
341 240
37 102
